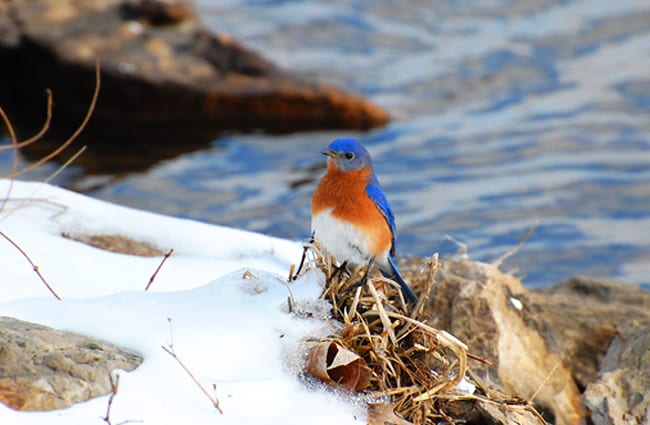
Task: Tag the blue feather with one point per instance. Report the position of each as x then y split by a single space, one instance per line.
377 195
395 275
379 198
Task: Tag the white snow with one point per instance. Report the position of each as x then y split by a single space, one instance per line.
224 290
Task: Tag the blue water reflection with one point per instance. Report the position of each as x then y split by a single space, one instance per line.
506 115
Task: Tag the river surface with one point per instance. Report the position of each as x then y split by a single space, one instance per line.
507 115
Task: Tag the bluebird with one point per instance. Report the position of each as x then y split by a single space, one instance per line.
350 216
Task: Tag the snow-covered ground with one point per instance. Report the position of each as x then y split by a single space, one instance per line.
230 327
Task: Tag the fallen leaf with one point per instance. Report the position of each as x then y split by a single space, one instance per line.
334 364
384 414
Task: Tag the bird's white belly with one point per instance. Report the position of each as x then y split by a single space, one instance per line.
339 239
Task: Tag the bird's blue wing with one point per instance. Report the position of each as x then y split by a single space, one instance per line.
377 195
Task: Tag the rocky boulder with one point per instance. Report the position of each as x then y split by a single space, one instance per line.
492 313
579 350
44 369
583 315
601 330
165 77
621 394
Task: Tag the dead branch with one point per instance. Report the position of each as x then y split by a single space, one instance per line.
383 316
14 146
305 248
153 276
65 164
541 385
34 266
114 387
61 208
76 133
433 265
170 350
35 137
512 251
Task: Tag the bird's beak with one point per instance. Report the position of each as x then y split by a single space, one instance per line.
330 153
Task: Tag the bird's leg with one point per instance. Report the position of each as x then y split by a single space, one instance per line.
361 282
364 279
304 255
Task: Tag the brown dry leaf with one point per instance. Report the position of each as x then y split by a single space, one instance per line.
384 414
334 364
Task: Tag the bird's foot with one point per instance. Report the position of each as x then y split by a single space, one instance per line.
338 271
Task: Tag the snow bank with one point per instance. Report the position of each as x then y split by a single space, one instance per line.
224 290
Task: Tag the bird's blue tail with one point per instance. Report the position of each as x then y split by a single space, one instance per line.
395 275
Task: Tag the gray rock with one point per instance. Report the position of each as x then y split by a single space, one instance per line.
621 395
582 315
45 369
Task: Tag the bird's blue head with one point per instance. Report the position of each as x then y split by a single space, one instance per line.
348 154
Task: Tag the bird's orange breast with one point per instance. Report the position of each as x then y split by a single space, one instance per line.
345 194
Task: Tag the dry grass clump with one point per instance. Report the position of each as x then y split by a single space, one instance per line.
407 371
116 243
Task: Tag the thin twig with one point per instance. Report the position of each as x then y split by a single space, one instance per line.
65 164
292 275
14 147
512 251
479 359
41 132
23 201
114 387
12 136
382 313
305 248
458 347
34 266
170 350
519 405
213 400
463 249
353 308
434 264
291 301
539 388
153 276
76 133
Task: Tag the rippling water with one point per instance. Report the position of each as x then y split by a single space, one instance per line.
507 114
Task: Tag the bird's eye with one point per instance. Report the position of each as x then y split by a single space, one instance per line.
349 156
